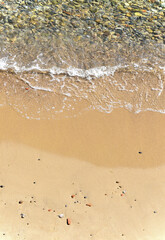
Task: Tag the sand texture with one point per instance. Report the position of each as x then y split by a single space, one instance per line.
101 173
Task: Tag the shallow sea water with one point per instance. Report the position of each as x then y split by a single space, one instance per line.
45 75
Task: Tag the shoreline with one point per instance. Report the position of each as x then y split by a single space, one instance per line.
110 140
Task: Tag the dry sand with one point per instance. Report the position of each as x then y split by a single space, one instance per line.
94 157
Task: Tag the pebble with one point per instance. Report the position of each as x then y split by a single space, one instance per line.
61 215
22 215
68 221
89 205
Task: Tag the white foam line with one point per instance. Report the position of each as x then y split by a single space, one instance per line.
37 87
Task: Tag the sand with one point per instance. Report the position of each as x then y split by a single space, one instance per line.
87 168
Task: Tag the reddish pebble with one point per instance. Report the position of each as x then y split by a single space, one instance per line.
27 88
89 205
49 210
122 194
72 196
68 221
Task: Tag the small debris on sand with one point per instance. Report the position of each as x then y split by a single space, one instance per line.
1 186
68 221
89 205
140 152
20 202
22 215
72 196
117 181
61 215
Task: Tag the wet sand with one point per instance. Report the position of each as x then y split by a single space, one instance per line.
104 172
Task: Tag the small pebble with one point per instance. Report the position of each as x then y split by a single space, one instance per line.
61 215
22 215
20 202
68 221
1 186
89 205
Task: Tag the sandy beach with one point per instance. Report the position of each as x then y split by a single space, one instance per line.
101 173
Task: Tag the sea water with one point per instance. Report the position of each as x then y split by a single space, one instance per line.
53 57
